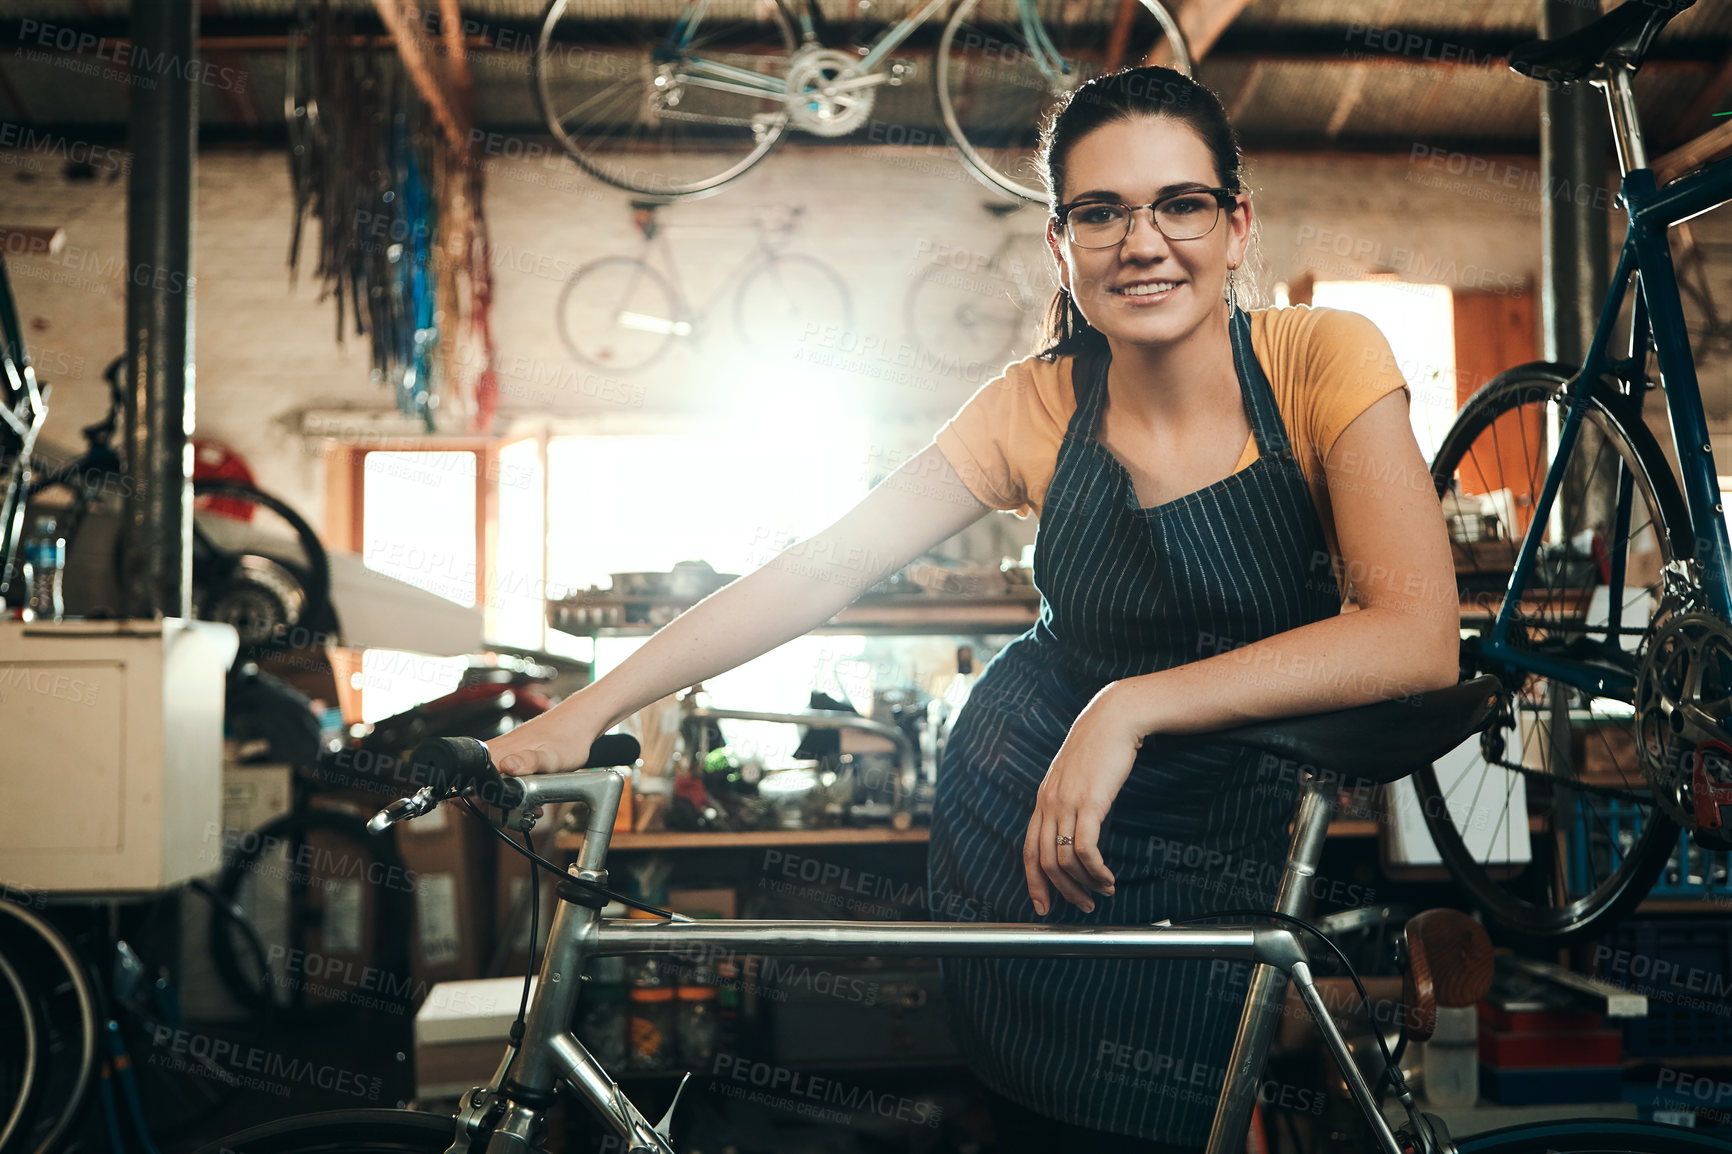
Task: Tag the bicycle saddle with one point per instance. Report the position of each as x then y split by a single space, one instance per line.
1621 36
1381 743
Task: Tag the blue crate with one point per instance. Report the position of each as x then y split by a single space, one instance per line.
1684 967
1693 871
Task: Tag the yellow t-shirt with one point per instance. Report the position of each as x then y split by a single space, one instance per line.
1325 367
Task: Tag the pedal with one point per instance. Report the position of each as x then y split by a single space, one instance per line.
1710 769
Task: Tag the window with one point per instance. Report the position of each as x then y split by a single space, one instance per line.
1419 322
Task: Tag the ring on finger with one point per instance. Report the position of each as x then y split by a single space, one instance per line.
1066 839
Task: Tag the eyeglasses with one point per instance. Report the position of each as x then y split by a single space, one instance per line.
1182 216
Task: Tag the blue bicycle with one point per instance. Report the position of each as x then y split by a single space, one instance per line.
1594 584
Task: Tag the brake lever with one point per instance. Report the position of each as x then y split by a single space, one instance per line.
403 809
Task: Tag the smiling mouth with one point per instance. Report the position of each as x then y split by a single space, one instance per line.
1147 289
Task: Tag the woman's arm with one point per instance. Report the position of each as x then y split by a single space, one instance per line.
805 585
1403 640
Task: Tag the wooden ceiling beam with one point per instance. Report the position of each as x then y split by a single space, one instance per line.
1703 105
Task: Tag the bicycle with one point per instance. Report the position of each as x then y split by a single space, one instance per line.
620 312
77 1003
1381 743
718 91
256 563
1593 585
983 311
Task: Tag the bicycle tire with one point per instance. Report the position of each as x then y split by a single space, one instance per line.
218 597
64 996
994 95
1594 1136
20 1033
1549 901
617 102
974 320
784 299
593 303
344 1132
274 919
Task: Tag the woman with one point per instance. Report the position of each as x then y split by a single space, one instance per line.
1208 483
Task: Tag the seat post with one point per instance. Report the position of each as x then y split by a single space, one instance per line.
1268 989
1626 126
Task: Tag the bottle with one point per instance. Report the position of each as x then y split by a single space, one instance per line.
44 560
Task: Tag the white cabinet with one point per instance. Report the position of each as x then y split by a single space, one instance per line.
111 753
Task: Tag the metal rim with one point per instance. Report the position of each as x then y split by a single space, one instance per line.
1519 919
978 164
556 10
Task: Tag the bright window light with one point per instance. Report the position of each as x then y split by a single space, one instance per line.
1419 322
631 504
515 614
418 520
392 682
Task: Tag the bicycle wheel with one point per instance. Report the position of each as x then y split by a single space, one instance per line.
1594 1136
64 1003
619 314
1559 762
20 1054
331 903
344 1132
972 320
665 112
999 81
786 300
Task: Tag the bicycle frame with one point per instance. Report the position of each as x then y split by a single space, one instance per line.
1658 316
550 1054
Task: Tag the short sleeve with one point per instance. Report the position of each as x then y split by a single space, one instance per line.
1349 367
1003 443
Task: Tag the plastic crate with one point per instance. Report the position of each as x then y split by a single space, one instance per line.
1692 872
1684 967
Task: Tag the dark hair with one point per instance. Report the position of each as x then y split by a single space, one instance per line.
1109 99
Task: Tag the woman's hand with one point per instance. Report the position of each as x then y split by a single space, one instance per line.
557 740
1073 801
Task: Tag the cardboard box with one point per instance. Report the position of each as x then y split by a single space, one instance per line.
255 795
450 857
461 1032
706 903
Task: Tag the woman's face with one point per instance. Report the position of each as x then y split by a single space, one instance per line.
1137 162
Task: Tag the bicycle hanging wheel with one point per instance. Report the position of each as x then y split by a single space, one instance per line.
1559 761
332 904
996 89
660 111
1594 1136
65 1006
619 314
786 300
344 1132
973 320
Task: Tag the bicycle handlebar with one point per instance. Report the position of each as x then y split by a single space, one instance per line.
462 765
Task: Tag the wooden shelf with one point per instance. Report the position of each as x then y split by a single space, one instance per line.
1706 904
896 613
752 839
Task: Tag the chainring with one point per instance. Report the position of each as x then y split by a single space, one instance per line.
1683 701
814 103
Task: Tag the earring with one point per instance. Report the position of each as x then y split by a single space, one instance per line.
1232 291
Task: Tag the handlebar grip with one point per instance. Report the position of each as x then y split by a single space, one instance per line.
612 749
462 765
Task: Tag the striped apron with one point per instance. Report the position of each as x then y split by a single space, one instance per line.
1133 1047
